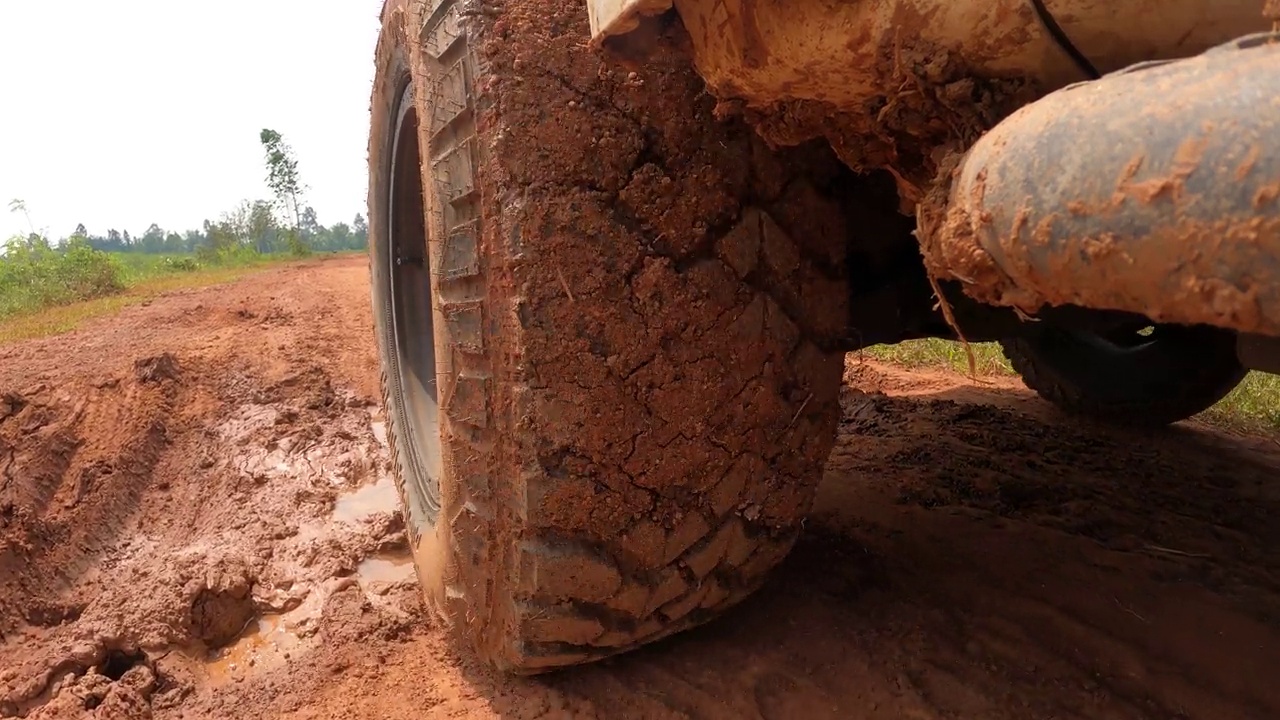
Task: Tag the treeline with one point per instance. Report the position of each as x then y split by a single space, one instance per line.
36 272
253 226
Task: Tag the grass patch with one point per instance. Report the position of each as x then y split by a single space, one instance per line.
34 275
1253 406
139 267
945 354
146 285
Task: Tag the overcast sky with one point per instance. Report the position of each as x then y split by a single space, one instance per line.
121 113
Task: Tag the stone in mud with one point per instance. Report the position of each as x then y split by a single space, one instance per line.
222 609
156 369
11 404
218 617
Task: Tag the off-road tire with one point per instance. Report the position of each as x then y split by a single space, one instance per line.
1181 373
638 313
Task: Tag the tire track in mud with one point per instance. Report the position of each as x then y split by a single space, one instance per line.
972 553
65 481
170 523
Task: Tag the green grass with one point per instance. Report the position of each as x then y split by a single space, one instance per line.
988 360
34 275
140 267
1253 406
46 290
66 317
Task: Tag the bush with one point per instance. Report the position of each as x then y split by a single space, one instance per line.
181 264
86 273
33 274
229 255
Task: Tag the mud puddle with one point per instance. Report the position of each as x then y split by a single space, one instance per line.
361 534
264 509
386 567
266 644
366 501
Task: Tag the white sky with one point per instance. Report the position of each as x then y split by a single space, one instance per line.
121 113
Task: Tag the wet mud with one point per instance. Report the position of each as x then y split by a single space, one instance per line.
196 522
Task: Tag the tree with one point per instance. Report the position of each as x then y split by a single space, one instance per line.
311 227
262 226
340 236
360 229
193 240
222 238
81 231
284 181
152 241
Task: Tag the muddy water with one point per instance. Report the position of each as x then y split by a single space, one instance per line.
272 639
265 644
366 501
386 568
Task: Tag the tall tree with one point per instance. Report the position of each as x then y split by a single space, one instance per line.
152 241
262 226
311 227
173 242
284 180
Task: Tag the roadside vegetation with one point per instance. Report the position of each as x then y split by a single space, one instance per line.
49 286
1254 405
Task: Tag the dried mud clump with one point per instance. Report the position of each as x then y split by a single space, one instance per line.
156 369
950 249
936 103
120 685
222 609
11 404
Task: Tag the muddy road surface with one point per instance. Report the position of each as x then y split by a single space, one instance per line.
196 521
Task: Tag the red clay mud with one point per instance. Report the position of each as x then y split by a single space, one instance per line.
210 536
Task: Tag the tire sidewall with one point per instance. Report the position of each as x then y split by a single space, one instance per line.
392 87
1158 384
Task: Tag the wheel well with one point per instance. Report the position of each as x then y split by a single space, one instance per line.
891 298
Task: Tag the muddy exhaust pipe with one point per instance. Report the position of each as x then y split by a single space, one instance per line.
1154 190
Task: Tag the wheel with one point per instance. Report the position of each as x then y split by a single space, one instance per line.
609 329
1137 375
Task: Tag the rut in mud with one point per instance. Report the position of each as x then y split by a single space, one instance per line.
196 521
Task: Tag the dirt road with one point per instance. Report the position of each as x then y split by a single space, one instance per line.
196 521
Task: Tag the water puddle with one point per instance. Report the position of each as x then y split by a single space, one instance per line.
271 444
265 644
385 568
379 430
365 501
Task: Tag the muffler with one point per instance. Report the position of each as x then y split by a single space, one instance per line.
1154 190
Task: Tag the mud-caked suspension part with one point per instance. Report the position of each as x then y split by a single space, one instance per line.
1154 190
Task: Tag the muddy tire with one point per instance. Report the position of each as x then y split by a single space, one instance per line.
1130 379
636 311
